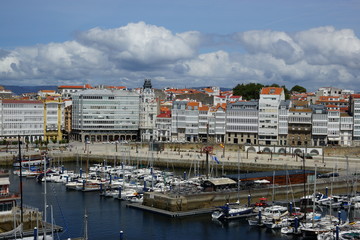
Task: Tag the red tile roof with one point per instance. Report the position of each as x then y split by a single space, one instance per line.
204 108
271 90
355 95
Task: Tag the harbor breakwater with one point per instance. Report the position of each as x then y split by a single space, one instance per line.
190 202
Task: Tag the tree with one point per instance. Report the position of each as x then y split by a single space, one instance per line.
287 93
298 89
248 91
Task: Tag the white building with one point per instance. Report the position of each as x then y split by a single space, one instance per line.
217 123
346 129
105 115
242 119
319 129
67 91
22 117
269 102
204 115
333 124
355 112
283 121
163 126
212 91
149 106
54 118
226 99
328 91
192 121
45 93
178 120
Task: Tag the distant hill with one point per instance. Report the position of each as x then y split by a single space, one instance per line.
18 90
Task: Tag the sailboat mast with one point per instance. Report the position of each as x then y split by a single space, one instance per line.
45 201
238 185
21 185
314 196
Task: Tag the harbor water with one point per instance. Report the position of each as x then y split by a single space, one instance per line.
108 216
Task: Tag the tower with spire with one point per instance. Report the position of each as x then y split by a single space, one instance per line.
149 108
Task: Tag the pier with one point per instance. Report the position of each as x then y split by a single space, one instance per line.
188 204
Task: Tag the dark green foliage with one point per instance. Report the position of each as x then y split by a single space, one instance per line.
248 91
298 89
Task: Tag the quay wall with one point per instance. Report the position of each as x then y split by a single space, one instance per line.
184 162
186 155
188 202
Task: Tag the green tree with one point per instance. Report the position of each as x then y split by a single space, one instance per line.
287 93
298 89
248 91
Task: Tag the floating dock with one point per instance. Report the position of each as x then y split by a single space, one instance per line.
169 213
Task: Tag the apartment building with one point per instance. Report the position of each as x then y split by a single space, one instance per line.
299 124
269 102
283 121
217 123
341 102
178 120
54 118
21 117
105 115
333 124
204 115
319 125
192 121
67 91
355 113
242 119
163 125
346 129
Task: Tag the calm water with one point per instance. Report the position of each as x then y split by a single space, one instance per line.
107 216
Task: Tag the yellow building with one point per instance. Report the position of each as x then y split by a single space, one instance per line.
53 118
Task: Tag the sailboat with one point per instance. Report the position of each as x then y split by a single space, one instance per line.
235 210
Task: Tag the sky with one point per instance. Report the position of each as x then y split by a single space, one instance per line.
180 43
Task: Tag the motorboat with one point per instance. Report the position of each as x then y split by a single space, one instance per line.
231 211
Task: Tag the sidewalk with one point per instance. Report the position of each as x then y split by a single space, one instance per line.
123 150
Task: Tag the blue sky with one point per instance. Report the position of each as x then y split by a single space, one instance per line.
180 43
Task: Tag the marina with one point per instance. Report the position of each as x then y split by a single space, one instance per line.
136 210
138 188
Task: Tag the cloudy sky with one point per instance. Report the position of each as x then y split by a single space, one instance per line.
180 43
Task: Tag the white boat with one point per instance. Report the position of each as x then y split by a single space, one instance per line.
268 214
290 230
277 223
231 211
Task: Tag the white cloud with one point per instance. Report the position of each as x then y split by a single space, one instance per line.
139 45
126 55
325 45
278 44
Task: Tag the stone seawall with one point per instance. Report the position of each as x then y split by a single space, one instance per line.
179 203
185 155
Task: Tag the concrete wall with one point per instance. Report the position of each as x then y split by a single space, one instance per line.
179 203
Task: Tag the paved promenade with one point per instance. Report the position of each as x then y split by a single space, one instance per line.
231 156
